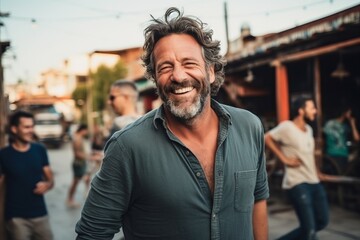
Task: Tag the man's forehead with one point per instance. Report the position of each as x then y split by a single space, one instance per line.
26 120
115 89
171 43
309 103
118 89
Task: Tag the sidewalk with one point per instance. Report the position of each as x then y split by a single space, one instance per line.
343 225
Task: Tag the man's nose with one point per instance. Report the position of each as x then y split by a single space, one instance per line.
178 74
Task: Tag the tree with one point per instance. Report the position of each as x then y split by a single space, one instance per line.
102 78
79 95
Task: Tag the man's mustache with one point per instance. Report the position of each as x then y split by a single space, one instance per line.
178 85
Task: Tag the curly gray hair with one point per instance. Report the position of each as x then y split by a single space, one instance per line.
187 25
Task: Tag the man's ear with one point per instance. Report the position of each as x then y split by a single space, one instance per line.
13 130
301 111
212 74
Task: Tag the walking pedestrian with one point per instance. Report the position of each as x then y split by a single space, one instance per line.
292 142
191 169
123 98
24 166
79 165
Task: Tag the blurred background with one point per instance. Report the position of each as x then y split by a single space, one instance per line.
59 58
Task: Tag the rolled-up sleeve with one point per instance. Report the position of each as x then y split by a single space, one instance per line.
262 187
109 196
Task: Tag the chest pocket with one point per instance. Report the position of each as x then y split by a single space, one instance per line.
245 182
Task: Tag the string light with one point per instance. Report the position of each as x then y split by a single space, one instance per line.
117 15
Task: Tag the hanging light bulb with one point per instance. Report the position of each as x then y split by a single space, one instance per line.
250 76
340 71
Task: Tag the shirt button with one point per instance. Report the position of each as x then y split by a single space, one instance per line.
198 174
187 153
214 215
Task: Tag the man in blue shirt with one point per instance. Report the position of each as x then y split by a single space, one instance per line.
25 168
191 169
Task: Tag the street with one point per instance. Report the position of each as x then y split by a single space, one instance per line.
62 218
344 225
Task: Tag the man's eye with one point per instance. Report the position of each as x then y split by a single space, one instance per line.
164 68
190 64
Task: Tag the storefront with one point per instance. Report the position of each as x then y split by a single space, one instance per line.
320 59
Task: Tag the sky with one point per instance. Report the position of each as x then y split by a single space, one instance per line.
44 33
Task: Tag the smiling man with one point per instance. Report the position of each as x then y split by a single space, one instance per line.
191 169
24 166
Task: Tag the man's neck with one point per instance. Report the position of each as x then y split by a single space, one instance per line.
21 146
300 122
194 128
129 112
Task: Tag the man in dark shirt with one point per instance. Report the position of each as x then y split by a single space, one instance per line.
191 169
25 168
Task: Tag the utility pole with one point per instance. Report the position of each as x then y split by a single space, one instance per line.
226 27
89 99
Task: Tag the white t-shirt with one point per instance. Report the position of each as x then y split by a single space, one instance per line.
300 144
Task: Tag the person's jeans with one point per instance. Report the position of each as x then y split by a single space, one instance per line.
311 207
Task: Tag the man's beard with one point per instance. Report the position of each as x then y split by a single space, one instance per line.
307 119
22 139
188 113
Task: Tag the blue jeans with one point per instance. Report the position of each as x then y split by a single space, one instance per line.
311 207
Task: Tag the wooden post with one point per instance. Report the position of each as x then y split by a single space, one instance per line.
89 99
317 94
282 93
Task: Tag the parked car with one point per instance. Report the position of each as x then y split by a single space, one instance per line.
49 128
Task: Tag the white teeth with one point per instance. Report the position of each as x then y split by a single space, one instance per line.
183 90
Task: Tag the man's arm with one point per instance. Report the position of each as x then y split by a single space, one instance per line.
48 183
109 196
271 144
354 130
260 222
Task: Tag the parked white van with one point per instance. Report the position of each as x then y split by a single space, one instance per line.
49 128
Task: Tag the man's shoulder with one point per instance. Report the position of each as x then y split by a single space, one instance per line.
37 145
241 116
5 150
238 111
286 124
330 122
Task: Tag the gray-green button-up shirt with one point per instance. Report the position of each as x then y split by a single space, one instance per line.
154 187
